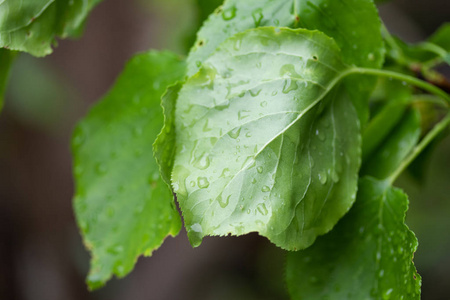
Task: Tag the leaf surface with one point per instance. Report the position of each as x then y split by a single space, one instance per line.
260 146
122 205
341 20
32 25
368 255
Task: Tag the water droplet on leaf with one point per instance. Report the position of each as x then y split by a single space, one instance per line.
202 182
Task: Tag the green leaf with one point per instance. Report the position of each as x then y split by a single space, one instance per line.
6 59
441 38
164 146
436 46
399 143
395 98
341 20
263 142
123 206
368 255
206 7
32 25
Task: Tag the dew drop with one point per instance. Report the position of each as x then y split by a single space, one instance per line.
265 188
202 182
242 114
259 169
263 104
202 162
320 135
237 44
234 134
197 228
262 209
229 13
255 93
223 202
225 172
289 85
257 16
323 177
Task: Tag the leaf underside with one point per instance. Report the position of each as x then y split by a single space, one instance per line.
263 141
123 206
368 255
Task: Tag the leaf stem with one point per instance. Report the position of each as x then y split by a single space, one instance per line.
419 148
433 48
426 98
406 78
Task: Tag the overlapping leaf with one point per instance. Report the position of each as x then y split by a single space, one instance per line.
368 255
341 20
32 25
123 206
259 145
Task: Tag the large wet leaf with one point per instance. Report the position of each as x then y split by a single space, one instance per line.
368 255
341 20
6 59
33 25
123 206
259 145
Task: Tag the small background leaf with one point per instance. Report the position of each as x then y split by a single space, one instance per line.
122 205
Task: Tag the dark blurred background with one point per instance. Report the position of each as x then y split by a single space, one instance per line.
41 252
